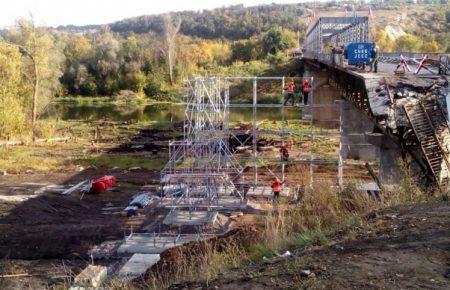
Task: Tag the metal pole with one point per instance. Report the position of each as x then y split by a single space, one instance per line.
340 164
255 153
311 158
283 120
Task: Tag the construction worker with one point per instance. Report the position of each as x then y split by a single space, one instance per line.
290 93
374 58
284 152
305 89
276 188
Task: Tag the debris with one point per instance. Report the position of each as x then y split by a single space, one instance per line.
73 188
15 275
4 173
305 273
286 254
105 250
142 200
134 168
51 188
91 276
391 216
28 171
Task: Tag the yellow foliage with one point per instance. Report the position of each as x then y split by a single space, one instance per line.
383 41
430 47
12 117
408 43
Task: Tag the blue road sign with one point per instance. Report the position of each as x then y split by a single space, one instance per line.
359 52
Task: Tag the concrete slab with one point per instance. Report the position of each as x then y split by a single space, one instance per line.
265 191
367 186
137 265
151 244
190 218
91 276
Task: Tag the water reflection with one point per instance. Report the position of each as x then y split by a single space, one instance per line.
154 112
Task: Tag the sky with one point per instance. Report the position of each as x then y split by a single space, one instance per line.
82 12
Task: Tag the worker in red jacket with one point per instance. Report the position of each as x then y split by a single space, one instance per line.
306 86
276 188
290 88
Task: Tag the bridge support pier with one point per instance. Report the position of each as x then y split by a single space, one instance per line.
390 171
355 125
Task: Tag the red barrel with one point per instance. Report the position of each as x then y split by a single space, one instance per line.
102 184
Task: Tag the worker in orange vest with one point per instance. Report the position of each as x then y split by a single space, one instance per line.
276 188
290 93
305 89
284 153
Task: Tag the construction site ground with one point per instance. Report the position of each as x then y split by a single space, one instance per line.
45 238
48 237
402 247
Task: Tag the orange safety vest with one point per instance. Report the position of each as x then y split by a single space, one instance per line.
290 88
276 186
306 86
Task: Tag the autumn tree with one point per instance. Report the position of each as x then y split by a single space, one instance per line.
12 90
43 63
407 42
170 30
430 47
278 39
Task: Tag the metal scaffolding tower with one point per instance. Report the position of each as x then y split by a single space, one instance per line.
204 167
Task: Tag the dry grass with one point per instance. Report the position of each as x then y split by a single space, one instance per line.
323 212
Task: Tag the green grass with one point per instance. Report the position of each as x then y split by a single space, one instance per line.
122 161
90 100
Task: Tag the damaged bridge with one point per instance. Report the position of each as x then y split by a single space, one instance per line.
398 116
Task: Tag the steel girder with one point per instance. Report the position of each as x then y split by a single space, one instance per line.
337 30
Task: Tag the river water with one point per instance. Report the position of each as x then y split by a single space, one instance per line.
151 112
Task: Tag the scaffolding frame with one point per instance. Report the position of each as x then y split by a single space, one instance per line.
201 167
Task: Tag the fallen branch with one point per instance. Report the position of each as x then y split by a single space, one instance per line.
13 143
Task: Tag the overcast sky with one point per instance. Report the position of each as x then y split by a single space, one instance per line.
81 12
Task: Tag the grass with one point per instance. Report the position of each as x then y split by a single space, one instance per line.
122 161
80 151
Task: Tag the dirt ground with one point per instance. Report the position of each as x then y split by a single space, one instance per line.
401 248
48 236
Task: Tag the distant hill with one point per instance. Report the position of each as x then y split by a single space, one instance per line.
239 22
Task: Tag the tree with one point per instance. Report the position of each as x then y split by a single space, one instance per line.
106 61
43 65
12 89
407 43
278 39
383 41
430 47
171 29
